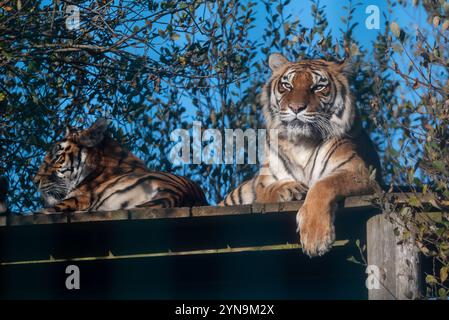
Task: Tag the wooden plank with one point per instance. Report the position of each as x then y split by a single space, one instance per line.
98 216
36 219
152 213
142 236
395 264
221 211
357 202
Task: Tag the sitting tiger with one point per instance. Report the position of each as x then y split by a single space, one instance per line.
89 171
322 153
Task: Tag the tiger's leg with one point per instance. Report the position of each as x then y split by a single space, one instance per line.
315 219
79 203
265 189
281 191
243 194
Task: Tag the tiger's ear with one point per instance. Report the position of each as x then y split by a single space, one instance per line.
345 67
95 134
276 60
68 131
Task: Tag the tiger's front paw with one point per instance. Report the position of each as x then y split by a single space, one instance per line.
47 211
291 191
316 228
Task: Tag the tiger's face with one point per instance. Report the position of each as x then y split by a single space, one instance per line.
308 98
68 163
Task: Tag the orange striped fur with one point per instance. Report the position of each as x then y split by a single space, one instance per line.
89 171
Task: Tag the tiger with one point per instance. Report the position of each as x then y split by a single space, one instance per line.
321 154
3 194
90 171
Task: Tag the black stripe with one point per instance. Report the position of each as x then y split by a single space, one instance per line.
150 176
79 159
343 93
176 196
330 153
286 162
314 160
345 162
274 175
331 102
126 189
160 176
232 197
253 189
153 203
109 184
178 179
240 193
283 163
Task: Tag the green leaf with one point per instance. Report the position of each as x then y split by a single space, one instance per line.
439 165
414 201
431 279
443 274
353 260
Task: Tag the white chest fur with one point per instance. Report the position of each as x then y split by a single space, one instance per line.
301 162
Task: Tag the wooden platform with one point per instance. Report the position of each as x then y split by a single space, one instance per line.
239 252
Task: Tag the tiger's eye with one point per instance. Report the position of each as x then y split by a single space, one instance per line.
287 86
60 159
321 88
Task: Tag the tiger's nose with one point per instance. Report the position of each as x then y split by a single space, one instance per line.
297 108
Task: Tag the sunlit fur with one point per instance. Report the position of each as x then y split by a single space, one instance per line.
322 154
88 170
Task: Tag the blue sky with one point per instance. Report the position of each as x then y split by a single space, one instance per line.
408 16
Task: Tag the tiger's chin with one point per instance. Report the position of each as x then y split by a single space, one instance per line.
297 129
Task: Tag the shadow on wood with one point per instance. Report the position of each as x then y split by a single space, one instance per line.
235 252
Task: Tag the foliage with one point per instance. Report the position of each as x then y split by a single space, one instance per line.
419 60
137 63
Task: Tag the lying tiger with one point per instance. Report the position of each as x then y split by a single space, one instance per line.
322 152
89 171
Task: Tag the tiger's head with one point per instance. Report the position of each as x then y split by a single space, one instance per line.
69 162
308 99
